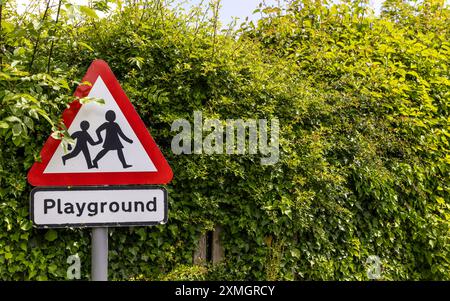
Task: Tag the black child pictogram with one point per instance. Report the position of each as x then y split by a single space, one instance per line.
112 139
82 139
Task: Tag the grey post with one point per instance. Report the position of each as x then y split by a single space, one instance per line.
99 255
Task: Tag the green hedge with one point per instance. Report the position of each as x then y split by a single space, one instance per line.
364 125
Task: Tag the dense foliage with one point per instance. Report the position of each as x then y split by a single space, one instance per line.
364 138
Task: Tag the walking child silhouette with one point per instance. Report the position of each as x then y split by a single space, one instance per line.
112 139
83 138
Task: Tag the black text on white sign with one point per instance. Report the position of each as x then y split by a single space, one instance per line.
59 207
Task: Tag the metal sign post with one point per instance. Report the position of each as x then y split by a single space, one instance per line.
99 256
98 207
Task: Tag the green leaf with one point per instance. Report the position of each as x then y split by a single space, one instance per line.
42 278
51 235
25 225
85 46
17 129
13 119
4 125
5 76
138 61
295 253
17 140
88 12
23 246
33 113
86 100
52 268
28 122
56 135
64 84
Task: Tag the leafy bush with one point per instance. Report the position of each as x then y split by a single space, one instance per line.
364 154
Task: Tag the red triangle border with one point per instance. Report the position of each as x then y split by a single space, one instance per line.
163 173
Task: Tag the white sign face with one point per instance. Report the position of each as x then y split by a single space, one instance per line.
60 207
105 141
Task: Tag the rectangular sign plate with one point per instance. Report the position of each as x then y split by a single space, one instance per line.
112 206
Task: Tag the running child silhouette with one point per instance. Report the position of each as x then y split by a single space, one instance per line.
83 138
112 139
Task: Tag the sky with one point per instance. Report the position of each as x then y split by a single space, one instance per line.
244 8
229 10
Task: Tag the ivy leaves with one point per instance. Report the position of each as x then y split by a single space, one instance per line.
364 140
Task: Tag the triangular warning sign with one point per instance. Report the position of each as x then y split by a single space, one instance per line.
111 143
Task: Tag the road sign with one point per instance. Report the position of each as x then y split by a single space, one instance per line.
91 206
111 143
